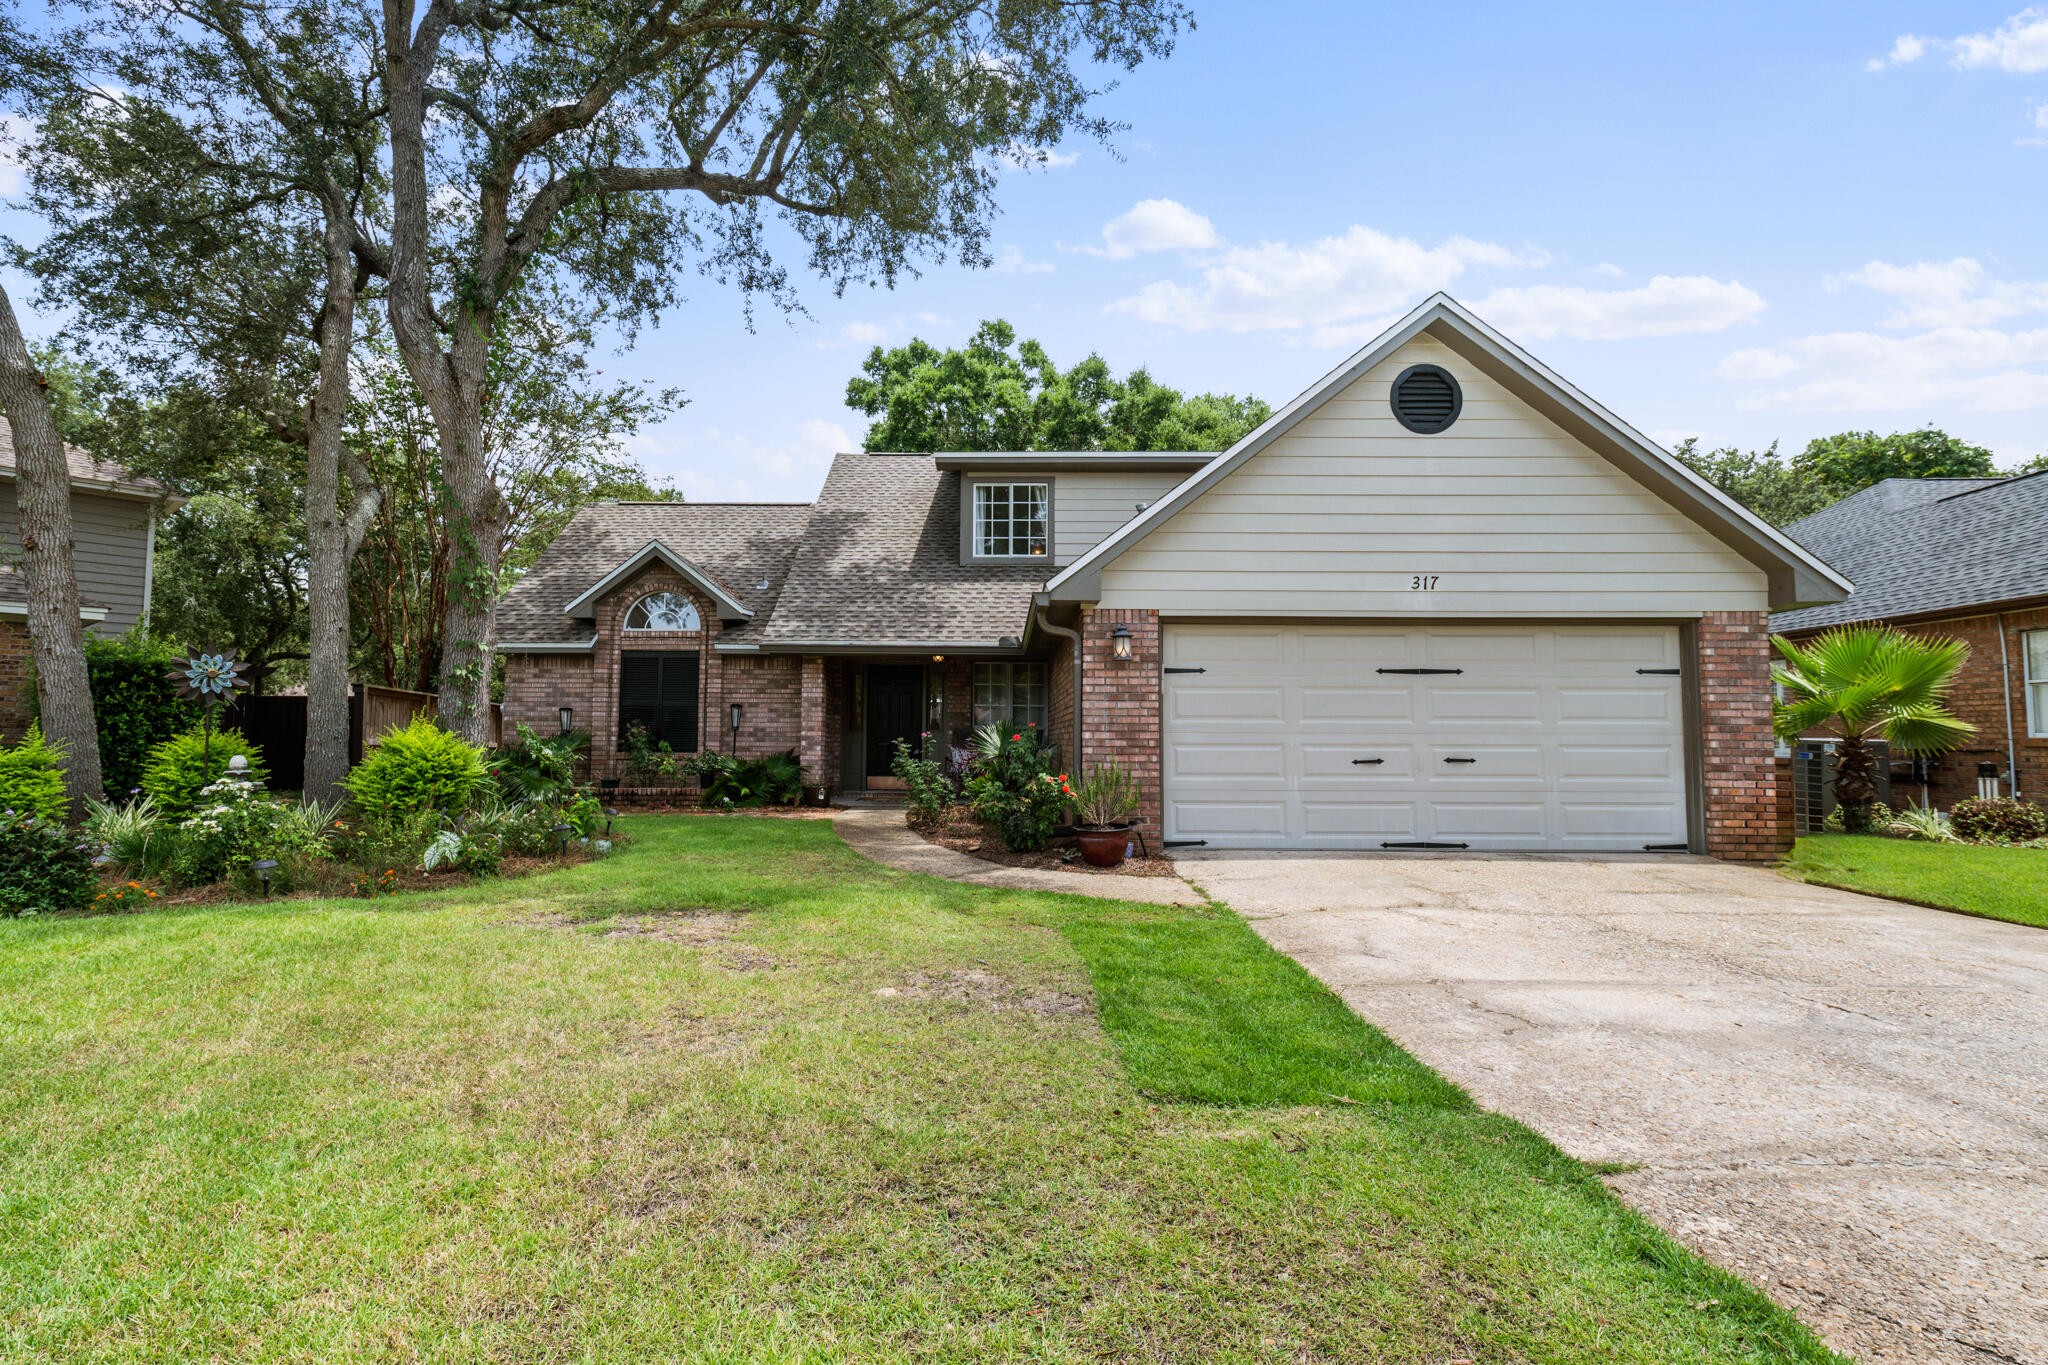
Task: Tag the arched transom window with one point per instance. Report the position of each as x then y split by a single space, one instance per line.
662 611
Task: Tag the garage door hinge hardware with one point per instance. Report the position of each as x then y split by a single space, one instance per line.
1666 672
1423 845
1184 843
1420 670
1461 760
1667 848
1368 760
1184 670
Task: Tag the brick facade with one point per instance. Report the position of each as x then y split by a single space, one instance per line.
1981 696
1120 701
16 688
1746 820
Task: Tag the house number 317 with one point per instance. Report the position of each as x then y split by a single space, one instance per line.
1422 582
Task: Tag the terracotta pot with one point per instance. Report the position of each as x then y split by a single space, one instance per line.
1103 847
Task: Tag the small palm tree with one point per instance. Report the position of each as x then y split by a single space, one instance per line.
1865 682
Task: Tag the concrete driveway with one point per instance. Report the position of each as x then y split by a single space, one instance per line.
1842 1098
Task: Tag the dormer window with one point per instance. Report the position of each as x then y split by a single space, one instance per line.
662 611
1012 521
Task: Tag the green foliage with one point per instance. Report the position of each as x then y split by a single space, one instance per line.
1108 797
422 768
1762 481
1855 460
772 780
134 835
1014 787
1857 819
234 824
231 568
32 778
42 867
994 395
1917 822
539 767
391 843
1998 820
134 703
180 767
926 783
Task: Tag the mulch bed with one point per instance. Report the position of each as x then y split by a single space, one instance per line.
964 834
410 879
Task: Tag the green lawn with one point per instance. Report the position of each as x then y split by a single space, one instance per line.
2001 883
737 1094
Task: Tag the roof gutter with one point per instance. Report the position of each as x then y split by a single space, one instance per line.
1045 623
547 646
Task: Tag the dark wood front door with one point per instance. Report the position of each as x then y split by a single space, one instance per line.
895 711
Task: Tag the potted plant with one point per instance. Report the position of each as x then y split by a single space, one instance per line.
1102 812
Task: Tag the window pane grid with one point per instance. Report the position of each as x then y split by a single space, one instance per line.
2034 644
1010 520
1011 692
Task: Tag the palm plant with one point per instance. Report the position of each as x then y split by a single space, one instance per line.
1866 682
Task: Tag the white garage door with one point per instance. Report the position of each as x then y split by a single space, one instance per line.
1567 737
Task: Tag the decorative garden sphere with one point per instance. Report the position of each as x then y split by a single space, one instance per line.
238 764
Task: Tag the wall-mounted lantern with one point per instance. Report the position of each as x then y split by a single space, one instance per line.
565 714
1120 644
734 712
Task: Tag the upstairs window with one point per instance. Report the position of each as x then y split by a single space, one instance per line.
1011 694
662 611
1012 520
2035 645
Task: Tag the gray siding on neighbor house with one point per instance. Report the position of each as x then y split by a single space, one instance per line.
113 550
1502 515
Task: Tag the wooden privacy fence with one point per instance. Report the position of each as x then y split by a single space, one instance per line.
277 725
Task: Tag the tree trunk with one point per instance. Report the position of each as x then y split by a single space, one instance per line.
1855 782
476 521
332 536
42 483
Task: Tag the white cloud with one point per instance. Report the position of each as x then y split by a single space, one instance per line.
1907 49
1669 305
713 465
2019 45
864 333
1957 293
1154 225
1608 269
1011 261
1978 368
1336 284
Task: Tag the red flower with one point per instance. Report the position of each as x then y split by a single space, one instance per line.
1016 736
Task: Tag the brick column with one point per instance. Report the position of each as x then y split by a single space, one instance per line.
1120 701
1746 822
810 726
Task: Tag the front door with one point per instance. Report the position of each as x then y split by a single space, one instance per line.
895 711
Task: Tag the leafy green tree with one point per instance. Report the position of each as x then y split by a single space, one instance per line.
621 143
993 394
1854 460
1865 682
1762 481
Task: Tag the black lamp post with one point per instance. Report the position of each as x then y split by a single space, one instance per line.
565 714
264 868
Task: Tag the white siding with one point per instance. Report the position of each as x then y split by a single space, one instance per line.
1510 515
113 550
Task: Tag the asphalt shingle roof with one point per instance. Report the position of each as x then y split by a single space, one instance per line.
1918 546
13 588
83 465
739 544
880 563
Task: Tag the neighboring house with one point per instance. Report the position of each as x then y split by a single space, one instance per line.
1442 598
113 517
1966 559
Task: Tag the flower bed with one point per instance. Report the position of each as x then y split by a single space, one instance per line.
961 831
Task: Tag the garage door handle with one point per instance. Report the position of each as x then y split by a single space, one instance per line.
1461 760
1665 672
1419 670
1183 670
1368 760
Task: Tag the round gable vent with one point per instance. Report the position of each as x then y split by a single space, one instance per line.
1427 399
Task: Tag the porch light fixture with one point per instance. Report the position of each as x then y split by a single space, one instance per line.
734 712
264 867
938 658
1120 644
565 714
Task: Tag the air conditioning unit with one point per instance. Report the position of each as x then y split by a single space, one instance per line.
1813 779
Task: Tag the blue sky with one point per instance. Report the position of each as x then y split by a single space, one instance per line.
1745 222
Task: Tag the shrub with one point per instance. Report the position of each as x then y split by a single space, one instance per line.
180 767
234 826
135 836
42 867
1871 817
646 759
32 778
135 704
1999 820
1107 798
539 768
394 841
419 768
1012 786
1916 822
773 780
925 781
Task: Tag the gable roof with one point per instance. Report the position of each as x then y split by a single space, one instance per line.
1796 576
1922 546
879 564
730 608
89 473
738 545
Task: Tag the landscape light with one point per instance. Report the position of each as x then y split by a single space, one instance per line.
264 867
565 831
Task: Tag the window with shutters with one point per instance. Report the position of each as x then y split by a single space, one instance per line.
659 691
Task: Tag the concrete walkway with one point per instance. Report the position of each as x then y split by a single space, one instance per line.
879 833
1842 1098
